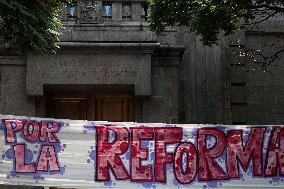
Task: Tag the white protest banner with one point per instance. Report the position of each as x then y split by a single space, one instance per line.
85 154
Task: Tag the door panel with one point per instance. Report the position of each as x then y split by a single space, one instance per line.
70 108
114 107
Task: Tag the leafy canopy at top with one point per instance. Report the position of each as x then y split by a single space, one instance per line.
208 17
30 25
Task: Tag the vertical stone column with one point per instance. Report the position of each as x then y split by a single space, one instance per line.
136 11
63 12
13 98
116 11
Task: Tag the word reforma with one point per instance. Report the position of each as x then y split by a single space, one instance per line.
200 160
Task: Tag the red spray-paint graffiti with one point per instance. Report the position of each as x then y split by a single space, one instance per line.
33 132
200 160
259 151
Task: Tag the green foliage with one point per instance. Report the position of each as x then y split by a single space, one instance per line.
30 25
207 18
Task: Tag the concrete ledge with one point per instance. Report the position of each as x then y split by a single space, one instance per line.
93 45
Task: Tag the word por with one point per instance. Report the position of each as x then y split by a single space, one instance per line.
200 159
34 132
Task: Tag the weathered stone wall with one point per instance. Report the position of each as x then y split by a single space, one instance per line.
163 104
202 82
256 92
14 100
265 90
97 48
204 88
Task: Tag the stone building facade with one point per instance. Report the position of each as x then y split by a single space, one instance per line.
111 67
110 63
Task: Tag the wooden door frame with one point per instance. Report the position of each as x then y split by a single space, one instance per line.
91 99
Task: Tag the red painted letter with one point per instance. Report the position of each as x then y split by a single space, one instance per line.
138 172
31 130
108 153
209 169
12 126
275 159
48 130
47 159
20 166
164 136
236 151
185 176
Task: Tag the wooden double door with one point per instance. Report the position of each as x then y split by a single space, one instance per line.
97 107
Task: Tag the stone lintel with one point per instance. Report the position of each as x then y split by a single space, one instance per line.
89 69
